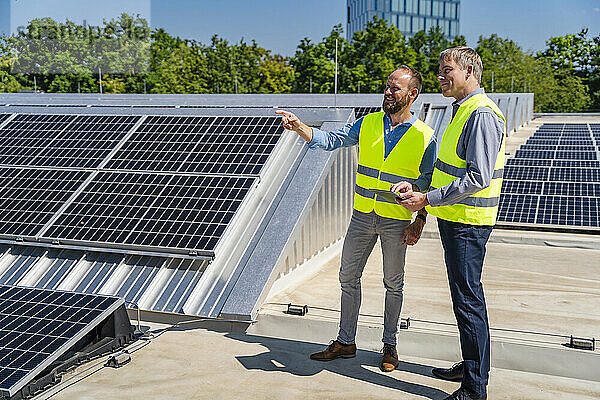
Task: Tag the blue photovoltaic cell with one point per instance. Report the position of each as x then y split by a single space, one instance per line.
207 145
576 163
30 197
517 208
572 211
539 154
575 175
235 146
572 189
86 141
26 135
522 187
37 326
575 155
526 173
150 209
569 191
538 147
529 162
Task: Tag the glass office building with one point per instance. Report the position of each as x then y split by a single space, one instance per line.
409 16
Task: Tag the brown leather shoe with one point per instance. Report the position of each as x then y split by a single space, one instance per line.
335 350
389 360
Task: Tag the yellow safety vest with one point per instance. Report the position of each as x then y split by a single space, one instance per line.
375 172
480 208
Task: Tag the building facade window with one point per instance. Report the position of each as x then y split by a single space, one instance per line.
409 16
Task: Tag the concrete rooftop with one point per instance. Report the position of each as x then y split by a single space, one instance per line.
538 286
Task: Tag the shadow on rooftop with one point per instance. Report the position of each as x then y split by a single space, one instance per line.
291 356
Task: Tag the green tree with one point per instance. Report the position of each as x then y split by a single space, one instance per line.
8 83
428 46
378 50
513 70
276 75
576 55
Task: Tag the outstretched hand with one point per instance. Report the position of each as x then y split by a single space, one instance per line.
291 122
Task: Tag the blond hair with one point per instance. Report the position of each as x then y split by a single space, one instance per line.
464 56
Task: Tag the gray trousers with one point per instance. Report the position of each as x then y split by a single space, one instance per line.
361 237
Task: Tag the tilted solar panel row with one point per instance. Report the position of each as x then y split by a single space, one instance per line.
38 326
554 179
541 173
558 154
171 182
553 147
550 210
551 188
554 163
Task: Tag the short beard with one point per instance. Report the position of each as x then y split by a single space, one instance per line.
395 107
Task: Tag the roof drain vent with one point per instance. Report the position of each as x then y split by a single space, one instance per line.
294 309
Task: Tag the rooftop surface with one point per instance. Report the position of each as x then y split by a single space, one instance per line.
540 287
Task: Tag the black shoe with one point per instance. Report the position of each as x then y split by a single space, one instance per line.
464 394
454 373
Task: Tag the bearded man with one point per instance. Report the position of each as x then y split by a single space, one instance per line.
393 146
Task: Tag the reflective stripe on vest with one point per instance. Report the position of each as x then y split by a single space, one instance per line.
480 208
378 172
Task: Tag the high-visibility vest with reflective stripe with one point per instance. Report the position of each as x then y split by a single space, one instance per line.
480 208
378 172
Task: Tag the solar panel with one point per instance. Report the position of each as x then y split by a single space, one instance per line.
528 146
23 138
235 146
210 145
523 187
576 142
518 208
572 189
575 175
529 161
37 326
572 211
161 143
576 155
576 163
543 141
3 117
526 173
539 154
569 191
149 209
86 142
561 147
360 112
30 197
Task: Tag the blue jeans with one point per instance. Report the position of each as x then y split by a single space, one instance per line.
464 251
363 231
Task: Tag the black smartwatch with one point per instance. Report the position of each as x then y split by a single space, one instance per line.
421 217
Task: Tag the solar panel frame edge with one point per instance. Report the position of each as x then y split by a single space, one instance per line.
69 343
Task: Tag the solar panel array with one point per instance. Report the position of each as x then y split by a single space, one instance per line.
554 178
160 181
37 326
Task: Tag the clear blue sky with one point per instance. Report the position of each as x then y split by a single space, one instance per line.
280 24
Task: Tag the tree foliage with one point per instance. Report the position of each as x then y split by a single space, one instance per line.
66 57
508 69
